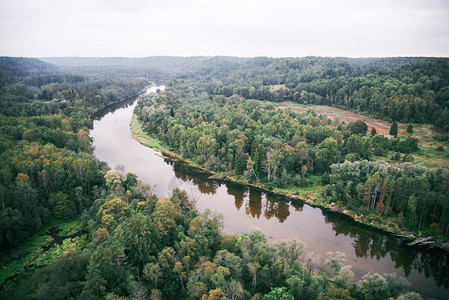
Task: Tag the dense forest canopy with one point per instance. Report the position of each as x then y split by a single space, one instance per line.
47 167
409 90
217 113
164 63
212 117
281 148
159 69
405 89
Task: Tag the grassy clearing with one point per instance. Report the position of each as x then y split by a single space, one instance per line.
425 133
311 194
334 114
31 255
142 137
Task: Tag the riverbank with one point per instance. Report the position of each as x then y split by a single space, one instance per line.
310 195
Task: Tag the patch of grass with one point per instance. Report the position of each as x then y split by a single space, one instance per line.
430 157
30 255
311 194
142 137
425 133
436 162
145 139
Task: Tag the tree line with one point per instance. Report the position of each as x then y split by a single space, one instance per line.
254 141
142 247
408 90
418 195
231 134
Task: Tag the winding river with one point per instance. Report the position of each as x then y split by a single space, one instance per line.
366 250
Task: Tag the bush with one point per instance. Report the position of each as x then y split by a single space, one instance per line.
396 156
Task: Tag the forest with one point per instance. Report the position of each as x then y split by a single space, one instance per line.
224 127
217 112
47 166
406 90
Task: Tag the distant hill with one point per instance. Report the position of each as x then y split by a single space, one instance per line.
23 66
177 65
13 67
372 64
163 63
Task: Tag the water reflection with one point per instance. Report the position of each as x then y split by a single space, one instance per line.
371 244
255 201
368 246
254 206
243 207
297 205
239 195
198 179
113 107
277 208
366 243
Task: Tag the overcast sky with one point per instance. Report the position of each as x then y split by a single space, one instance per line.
136 28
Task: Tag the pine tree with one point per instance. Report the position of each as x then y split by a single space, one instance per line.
394 129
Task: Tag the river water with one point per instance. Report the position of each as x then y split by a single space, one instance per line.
366 250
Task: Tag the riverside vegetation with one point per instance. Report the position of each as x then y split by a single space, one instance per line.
212 120
128 243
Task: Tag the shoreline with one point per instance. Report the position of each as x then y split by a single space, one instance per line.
365 220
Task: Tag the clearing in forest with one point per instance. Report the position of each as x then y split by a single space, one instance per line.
424 132
348 116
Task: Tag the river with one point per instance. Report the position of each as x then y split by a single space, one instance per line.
242 208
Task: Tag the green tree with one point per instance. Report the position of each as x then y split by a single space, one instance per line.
152 272
375 286
358 127
278 293
296 286
114 179
329 153
65 278
62 205
335 293
394 129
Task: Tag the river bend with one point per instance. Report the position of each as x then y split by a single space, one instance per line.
242 208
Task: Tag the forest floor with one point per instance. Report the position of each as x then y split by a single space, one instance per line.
426 133
311 195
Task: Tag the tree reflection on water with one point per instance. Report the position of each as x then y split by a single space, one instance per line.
367 243
375 244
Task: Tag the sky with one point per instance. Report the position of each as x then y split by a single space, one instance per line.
244 28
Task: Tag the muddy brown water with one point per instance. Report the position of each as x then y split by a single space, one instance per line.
366 250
